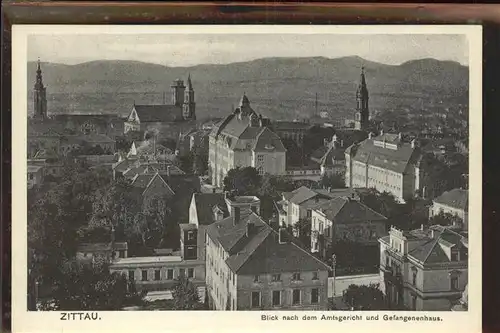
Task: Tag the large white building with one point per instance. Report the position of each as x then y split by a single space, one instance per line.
243 140
387 163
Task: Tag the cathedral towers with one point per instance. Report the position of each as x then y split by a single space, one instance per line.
39 96
362 116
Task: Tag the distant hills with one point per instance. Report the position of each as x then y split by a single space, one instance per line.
276 87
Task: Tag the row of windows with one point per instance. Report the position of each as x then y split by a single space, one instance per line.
277 297
277 277
157 274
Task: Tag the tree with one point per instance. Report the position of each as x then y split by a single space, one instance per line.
445 219
242 181
302 231
91 287
364 297
333 181
185 295
200 163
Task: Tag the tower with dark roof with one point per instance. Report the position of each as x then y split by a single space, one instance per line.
189 107
39 95
178 89
362 115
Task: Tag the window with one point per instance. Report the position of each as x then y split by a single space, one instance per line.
182 272
190 272
314 296
315 276
454 283
454 255
190 235
260 159
157 275
276 277
131 275
276 297
296 296
255 299
170 274
296 276
31 176
121 254
191 252
144 275
309 212
414 277
387 262
256 278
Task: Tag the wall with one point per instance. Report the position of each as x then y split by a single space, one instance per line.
437 207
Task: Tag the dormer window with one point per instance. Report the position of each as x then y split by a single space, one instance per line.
268 147
455 255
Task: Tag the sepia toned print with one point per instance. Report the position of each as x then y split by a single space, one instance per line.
285 177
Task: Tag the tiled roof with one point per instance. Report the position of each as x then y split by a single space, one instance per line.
429 250
267 141
290 125
260 252
344 210
456 198
204 204
303 193
158 113
392 159
326 155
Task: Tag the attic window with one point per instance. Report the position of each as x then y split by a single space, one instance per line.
269 147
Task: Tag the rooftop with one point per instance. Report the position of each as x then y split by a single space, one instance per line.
204 203
147 260
456 198
158 113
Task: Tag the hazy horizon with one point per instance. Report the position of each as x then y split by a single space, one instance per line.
182 50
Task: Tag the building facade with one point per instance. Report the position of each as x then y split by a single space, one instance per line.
386 163
330 157
424 269
345 218
454 202
242 140
248 266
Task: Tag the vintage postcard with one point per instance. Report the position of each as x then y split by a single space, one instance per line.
244 178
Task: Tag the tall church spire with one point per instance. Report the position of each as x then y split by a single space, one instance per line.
362 112
39 95
189 107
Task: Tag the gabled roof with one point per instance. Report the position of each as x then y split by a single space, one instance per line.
267 141
205 203
158 113
429 251
456 198
302 194
344 210
392 159
158 186
260 252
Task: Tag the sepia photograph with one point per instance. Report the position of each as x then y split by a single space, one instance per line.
248 171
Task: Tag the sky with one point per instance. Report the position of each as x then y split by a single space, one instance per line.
183 50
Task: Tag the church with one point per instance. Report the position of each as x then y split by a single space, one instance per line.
165 118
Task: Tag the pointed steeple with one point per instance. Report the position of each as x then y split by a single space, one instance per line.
190 84
362 112
244 100
362 83
39 79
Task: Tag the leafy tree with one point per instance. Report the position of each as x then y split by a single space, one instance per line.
445 219
242 181
91 287
333 181
200 163
365 297
302 230
185 295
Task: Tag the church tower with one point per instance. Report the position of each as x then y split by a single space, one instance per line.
362 115
189 107
39 97
178 89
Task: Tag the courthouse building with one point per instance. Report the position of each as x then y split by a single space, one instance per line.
250 266
242 140
387 163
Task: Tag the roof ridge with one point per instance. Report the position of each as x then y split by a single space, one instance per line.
374 211
436 240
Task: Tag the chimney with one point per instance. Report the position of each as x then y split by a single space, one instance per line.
235 212
250 229
341 143
422 227
282 236
254 209
329 189
213 190
413 143
168 170
381 132
370 135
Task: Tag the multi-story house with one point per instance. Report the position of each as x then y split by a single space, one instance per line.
292 130
299 203
345 218
330 157
242 140
388 164
250 266
424 269
454 202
